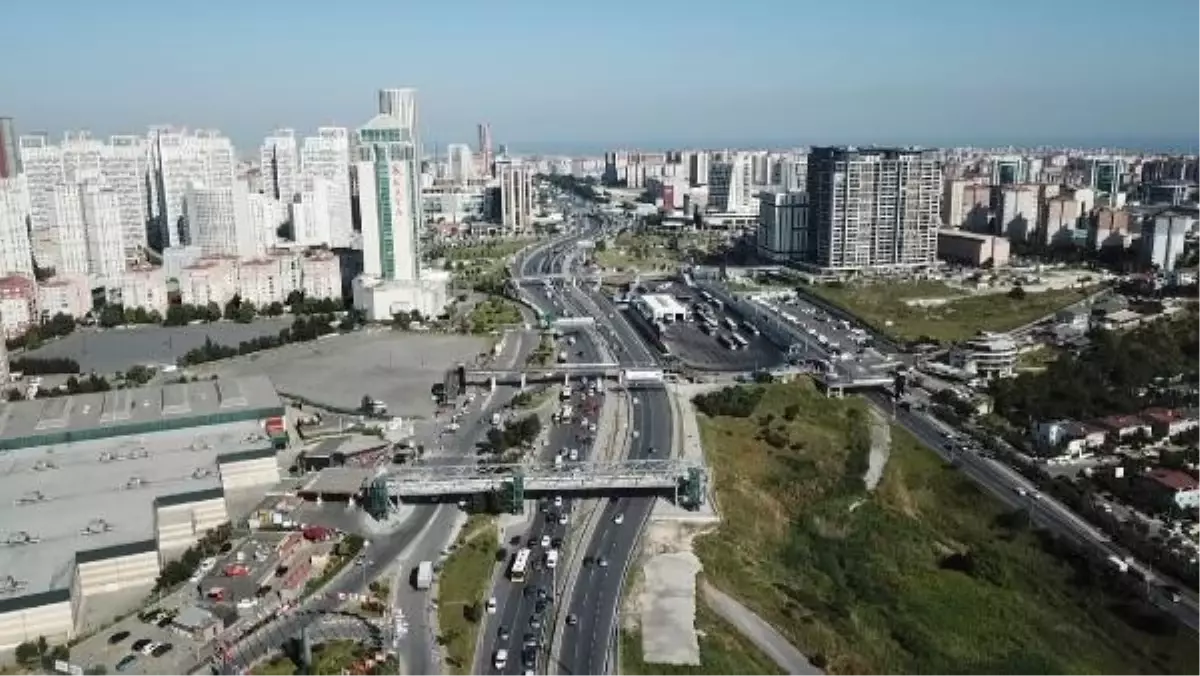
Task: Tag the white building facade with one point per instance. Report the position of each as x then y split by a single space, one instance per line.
105 235
782 234
279 161
327 156
16 252
516 194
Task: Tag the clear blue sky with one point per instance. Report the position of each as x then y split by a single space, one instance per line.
563 73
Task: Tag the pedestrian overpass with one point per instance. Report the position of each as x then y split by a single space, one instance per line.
523 377
513 484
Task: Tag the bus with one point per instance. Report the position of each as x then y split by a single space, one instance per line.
727 342
729 323
706 296
520 564
739 340
750 328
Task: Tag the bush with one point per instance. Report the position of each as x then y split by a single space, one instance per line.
735 402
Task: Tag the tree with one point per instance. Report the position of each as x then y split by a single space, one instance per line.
231 308
1017 293
27 654
401 321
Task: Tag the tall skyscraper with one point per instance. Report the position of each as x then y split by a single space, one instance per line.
70 251
124 164
279 162
103 229
43 167
873 209
180 159
388 167
219 220
485 148
10 156
16 253
389 191
516 194
327 156
459 163
310 212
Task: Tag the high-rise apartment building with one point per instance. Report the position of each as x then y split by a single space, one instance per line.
1009 170
10 156
1017 212
698 168
1164 238
327 156
43 167
1105 174
101 208
873 209
180 159
516 194
219 220
266 215
16 253
124 164
460 165
310 212
279 161
729 185
485 148
70 251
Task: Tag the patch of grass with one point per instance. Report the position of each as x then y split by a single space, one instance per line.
723 650
331 657
280 666
462 582
961 317
487 251
647 253
533 398
1038 358
493 314
924 576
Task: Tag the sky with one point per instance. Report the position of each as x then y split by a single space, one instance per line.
582 76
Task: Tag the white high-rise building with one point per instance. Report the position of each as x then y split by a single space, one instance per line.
180 159
460 163
124 164
81 155
43 167
266 214
729 185
389 175
280 164
16 253
70 251
782 234
516 194
698 168
219 220
310 212
105 238
327 156
145 286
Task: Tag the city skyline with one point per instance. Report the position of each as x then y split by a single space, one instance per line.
946 75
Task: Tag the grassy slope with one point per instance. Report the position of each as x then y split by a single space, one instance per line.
955 320
462 581
863 591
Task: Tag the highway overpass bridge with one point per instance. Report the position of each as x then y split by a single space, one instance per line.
524 376
513 484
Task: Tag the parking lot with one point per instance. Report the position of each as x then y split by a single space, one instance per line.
700 345
826 336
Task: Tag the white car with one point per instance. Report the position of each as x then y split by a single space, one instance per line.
562 519
208 564
491 606
619 519
501 659
247 603
150 647
558 501
545 542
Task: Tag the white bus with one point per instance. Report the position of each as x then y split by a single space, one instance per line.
739 340
729 323
520 564
750 328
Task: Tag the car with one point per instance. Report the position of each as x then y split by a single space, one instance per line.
126 662
572 619
535 622
545 542
562 519
491 606
161 650
246 603
529 639
602 562
150 647
542 594
558 501
500 660
619 519
556 543
540 607
164 621
651 450
502 634
118 637
529 657
139 644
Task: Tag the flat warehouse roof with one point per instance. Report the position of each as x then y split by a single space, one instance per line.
144 409
664 304
98 494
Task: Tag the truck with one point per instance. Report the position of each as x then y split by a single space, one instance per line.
497 419
423 575
1118 563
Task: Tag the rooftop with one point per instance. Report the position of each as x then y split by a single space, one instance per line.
1174 479
99 494
145 409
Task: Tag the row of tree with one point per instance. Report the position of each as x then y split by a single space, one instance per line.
41 366
514 434
303 329
58 326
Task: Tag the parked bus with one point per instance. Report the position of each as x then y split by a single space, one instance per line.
740 341
729 323
520 564
727 342
750 328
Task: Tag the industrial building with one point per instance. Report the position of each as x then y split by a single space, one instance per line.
960 246
106 487
660 307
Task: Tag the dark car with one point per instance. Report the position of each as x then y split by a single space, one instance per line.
556 543
540 607
118 637
126 662
530 640
139 644
529 658
161 650
542 594
572 619
535 622
164 621
502 633
530 592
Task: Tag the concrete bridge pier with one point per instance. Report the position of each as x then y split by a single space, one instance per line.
524 380
492 383
566 380
621 378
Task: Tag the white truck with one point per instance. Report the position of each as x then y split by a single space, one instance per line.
562 357
497 419
424 575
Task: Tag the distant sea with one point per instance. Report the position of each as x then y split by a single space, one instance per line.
1132 144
